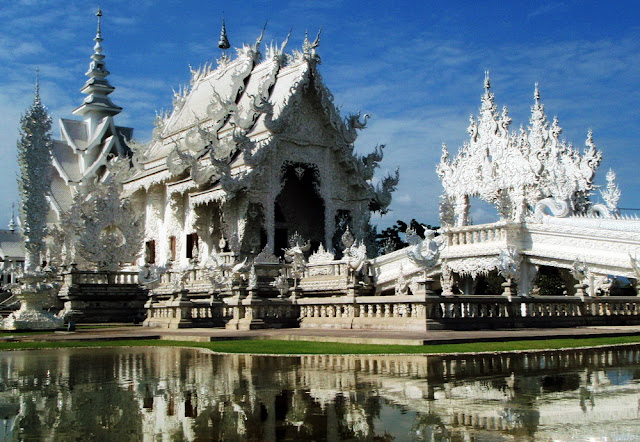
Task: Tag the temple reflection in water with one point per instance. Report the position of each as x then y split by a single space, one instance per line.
186 394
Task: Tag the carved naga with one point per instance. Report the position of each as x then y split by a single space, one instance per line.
367 164
351 124
382 194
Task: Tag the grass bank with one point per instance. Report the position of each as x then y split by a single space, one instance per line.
275 347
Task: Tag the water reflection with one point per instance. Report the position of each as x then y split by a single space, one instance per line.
185 394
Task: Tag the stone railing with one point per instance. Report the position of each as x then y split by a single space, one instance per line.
111 278
236 313
183 314
190 276
374 312
465 312
458 236
333 268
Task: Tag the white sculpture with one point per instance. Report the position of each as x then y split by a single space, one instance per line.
517 171
424 253
281 283
103 228
37 288
611 195
295 255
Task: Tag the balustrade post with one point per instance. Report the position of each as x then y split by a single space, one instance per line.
181 306
509 288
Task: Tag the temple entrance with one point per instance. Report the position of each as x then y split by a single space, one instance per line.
299 207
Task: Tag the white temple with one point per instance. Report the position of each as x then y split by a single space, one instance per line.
249 208
84 148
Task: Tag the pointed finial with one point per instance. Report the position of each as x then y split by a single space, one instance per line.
97 87
98 39
487 82
536 94
223 42
99 15
316 42
36 97
309 48
286 40
264 28
12 221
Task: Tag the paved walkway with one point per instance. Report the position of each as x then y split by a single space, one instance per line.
327 335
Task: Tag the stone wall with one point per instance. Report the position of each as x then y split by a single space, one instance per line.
101 297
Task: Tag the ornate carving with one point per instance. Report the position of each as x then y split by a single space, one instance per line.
104 229
517 171
402 283
509 264
612 194
281 283
295 255
266 257
425 253
382 196
474 266
321 256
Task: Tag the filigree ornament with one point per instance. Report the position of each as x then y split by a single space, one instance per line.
474 266
509 264
321 256
425 253
34 152
515 171
295 255
281 283
611 195
104 229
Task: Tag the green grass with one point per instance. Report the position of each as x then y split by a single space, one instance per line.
275 347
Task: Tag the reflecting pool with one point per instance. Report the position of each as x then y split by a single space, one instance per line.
187 394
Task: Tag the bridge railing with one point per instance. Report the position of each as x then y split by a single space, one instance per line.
108 278
414 312
466 235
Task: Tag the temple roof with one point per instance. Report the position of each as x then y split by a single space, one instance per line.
226 123
11 245
97 104
232 98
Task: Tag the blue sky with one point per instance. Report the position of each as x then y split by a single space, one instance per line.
416 67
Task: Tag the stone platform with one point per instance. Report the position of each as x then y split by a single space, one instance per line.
126 332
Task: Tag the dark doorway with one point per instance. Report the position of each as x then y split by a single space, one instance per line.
299 207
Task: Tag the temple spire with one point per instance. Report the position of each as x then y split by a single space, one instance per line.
36 96
97 104
12 221
223 42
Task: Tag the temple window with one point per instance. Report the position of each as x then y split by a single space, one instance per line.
150 252
192 244
172 248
